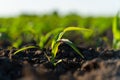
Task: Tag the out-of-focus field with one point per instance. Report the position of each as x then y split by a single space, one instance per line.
28 28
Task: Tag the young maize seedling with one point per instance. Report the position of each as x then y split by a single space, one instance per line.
116 32
58 40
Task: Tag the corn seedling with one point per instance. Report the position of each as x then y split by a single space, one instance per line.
58 40
116 32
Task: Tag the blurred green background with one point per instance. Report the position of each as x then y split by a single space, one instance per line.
28 28
28 22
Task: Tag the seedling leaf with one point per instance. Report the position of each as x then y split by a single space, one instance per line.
22 49
45 38
59 36
72 46
74 29
116 32
55 48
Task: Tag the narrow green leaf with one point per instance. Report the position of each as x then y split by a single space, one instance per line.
116 27
45 38
72 29
22 49
75 28
72 46
59 36
116 32
55 48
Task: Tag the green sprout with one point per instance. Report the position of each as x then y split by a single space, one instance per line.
58 40
116 32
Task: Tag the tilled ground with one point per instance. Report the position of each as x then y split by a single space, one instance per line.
32 64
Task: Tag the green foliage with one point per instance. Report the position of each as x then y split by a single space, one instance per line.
59 36
58 40
45 39
32 27
116 32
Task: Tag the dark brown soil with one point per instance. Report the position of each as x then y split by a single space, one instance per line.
32 64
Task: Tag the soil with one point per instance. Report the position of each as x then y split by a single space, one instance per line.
32 64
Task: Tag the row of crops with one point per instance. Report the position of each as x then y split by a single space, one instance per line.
28 28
